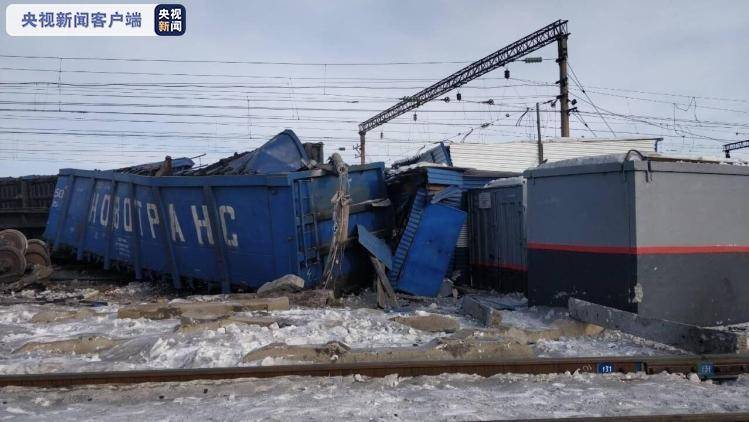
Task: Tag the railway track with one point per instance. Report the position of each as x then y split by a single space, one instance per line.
706 366
694 417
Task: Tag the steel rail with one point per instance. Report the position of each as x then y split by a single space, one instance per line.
693 417
707 366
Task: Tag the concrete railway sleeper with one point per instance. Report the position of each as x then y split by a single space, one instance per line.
706 366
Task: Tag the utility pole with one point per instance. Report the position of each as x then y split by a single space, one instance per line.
362 140
540 144
563 85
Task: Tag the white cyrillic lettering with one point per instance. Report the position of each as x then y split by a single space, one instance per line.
104 218
139 206
174 223
92 211
200 224
127 215
153 217
223 211
116 214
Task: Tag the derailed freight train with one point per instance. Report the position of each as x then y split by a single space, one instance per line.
267 214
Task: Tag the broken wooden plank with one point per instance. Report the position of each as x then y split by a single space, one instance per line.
386 298
683 336
481 311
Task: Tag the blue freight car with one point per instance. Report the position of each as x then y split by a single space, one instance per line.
235 231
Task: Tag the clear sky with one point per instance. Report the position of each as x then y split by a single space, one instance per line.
675 69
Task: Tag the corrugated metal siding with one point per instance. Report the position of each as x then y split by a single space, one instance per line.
510 156
463 237
518 156
444 176
475 182
496 233
404 244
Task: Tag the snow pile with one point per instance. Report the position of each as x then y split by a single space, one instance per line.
357 398
144 343
155 344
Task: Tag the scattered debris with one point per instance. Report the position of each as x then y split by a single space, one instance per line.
445 348
202 310
191 325
560 328
80 345
484 312
317 298
381 260
447 289
429 322
328 352
341 202
287 283
37 275
386 298
62 315
684 336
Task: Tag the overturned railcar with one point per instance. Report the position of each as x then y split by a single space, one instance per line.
660 237
233 231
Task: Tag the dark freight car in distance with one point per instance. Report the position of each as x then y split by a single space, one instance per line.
663 239
24 203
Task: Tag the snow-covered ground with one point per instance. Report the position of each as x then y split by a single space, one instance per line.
144 343
355 398
155 344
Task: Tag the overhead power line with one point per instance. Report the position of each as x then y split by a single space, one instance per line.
579 85
252 62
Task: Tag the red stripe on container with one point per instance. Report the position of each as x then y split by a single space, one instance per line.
513 267
642 250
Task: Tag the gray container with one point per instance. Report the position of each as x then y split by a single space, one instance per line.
496 220
663 239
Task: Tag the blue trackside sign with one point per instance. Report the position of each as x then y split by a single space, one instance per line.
605 368
705 369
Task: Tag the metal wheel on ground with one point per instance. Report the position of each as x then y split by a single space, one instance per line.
37 254
15 239
12 261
